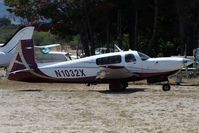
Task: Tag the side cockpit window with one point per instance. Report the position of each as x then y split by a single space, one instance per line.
130 58
143 56
109 60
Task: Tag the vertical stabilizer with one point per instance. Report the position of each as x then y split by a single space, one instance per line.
23 58
21 34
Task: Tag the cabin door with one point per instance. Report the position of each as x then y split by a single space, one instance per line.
132 63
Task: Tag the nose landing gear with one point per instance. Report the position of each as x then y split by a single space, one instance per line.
166 87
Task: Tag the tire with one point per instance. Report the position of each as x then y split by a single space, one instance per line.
166 87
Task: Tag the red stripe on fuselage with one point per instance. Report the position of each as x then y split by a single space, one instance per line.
146 75
38 76
113 67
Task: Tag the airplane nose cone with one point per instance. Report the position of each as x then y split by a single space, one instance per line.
187 62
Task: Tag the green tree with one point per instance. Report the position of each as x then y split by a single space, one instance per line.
4 22
150 26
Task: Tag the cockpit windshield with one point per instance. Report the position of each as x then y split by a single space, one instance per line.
143 56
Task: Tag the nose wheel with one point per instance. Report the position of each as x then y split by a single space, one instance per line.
166 87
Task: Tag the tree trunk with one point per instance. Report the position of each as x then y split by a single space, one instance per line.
154 25
119 27
181 26
135 31
197 30
108 35
88 26
133 24
84 33
198 39
85 44
91 36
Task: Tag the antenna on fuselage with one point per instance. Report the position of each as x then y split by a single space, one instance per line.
118 48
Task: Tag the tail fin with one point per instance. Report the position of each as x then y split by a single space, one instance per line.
21 34
23 58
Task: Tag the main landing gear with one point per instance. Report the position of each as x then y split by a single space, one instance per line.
117 85
166 87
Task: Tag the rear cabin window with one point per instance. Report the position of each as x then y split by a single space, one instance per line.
130 58
109 60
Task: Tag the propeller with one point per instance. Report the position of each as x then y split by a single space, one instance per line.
186 63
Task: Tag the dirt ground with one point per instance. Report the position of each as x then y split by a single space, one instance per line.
50 107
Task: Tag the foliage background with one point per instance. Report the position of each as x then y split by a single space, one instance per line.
155 27
40 38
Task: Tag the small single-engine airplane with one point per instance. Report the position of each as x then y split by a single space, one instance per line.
7 50
116 69
45 54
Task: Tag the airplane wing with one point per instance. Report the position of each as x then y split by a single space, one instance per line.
47 46
114 72
45 49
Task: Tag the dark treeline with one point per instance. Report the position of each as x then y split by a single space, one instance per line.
7 29
156 27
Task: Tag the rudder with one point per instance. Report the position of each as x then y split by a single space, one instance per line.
23 58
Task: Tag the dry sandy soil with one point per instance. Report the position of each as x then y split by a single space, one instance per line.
48 107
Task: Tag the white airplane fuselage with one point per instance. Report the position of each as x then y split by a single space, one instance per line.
87 67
